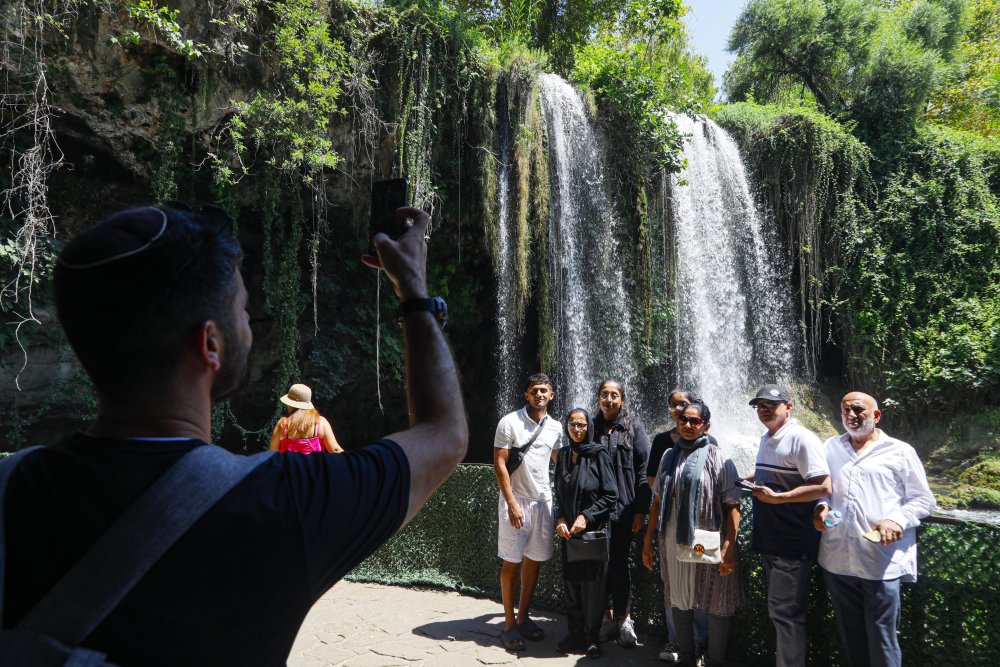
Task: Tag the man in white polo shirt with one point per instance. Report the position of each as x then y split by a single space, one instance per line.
881 492
791 474
526 440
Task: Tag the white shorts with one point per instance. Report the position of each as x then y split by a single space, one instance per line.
533 539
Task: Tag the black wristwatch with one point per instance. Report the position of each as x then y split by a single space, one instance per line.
435 305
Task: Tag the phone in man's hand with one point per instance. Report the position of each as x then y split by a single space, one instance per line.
387 196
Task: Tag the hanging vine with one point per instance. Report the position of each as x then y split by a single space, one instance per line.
26 116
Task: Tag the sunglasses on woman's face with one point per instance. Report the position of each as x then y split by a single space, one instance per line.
679 405
694 421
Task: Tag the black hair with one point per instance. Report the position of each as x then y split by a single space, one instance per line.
538 378
686 393
130 291
702 409
625 416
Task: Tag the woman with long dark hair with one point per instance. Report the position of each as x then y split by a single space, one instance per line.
620 431
696 514
585 493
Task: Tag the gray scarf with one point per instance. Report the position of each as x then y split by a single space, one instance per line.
688 487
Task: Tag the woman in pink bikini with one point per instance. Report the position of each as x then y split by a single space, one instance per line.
303 430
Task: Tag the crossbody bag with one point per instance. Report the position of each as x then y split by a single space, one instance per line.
516 456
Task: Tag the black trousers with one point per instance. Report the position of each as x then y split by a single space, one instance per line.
618 594
583 585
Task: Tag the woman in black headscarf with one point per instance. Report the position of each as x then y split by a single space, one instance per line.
585 494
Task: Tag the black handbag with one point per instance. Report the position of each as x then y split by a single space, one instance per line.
589 546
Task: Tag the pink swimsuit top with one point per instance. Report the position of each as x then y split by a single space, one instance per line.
300 445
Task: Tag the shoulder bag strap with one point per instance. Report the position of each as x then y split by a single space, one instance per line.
534 436
7 466
105 574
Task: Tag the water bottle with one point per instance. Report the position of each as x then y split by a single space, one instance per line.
833 518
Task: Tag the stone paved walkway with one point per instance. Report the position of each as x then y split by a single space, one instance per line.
370 625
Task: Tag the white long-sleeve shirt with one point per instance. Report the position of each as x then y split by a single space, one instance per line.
886 481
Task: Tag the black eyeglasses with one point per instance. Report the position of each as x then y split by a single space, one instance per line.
767 405
578 425
693 421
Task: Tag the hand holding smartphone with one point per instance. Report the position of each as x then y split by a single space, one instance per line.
387 196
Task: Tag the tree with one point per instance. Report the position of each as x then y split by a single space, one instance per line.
874 63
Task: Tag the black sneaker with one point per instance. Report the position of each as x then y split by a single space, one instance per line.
594 650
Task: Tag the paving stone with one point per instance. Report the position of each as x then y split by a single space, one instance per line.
373 660
494 656
350 627
404 651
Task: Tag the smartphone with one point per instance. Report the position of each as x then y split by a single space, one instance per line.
745 485
873 536
387 196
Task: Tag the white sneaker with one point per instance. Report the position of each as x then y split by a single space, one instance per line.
626 633
609 630
670 653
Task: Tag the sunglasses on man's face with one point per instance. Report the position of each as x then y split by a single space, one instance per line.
693 421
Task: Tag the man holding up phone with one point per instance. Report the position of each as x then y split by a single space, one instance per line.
154 306
881 492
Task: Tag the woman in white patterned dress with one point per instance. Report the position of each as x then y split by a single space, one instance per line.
696 494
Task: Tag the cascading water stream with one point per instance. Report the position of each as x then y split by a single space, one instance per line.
734 329
507 373
591 307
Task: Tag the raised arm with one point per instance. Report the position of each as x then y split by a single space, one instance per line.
438 436
329 440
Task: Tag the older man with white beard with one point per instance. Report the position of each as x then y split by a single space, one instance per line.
881 491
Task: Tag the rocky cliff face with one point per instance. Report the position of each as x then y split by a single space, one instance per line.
136 119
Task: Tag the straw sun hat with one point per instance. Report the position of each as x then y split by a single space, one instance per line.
298 396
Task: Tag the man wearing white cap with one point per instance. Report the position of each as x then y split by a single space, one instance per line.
790 475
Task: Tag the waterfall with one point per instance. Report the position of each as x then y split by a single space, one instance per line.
591 308
734 328
506 350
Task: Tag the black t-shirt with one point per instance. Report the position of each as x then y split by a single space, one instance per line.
235 588
661 443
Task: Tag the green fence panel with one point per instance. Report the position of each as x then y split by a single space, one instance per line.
948 616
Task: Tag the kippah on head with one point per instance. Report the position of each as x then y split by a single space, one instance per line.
122 235
130 290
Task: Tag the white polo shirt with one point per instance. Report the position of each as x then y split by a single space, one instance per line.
886 481
786 460
531 479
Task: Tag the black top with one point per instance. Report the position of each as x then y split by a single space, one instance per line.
630 457
233 590
592 494
661 444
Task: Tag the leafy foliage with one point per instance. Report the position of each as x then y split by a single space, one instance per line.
904 280
971 100
875 64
